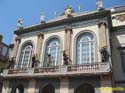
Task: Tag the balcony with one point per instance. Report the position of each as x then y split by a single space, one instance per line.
70 70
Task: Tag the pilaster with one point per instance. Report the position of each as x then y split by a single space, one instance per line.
39 44
5 88
16 46
64 85
68 33
106 84
102 34
31 87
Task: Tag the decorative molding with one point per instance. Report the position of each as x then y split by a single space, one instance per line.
68 28
95 15
121 17
41 34
18 39
119 28
102 23
31 34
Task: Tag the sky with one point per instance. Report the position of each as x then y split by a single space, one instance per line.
30 10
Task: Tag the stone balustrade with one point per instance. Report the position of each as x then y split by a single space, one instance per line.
68 70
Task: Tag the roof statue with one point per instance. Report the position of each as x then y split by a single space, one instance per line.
42 18
68 11
19 24
55 13
79 8
99 5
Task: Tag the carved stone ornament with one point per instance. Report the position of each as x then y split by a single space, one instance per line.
68 28
41 34
68 11
18 39
101 23
121 17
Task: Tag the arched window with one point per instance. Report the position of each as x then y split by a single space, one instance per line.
85 51
85 88
48 89
25 56
52 55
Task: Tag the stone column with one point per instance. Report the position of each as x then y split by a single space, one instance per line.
31 87
102 34
16 46
64 85
5 88
106 84
39 44
68 33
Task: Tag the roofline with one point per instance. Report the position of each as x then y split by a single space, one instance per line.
99 14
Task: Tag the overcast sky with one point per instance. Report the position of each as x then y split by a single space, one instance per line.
30 10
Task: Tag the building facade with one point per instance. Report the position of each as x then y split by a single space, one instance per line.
4 50
73 53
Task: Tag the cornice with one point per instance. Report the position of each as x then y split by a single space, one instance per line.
95 15
116 28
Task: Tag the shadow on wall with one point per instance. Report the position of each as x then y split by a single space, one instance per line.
117 53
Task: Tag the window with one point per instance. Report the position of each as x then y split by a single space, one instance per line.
52 53
25 56
85 48
122 54
48 89
85 88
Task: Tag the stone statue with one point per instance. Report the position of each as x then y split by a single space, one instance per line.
105 54
66 59
42 18
68 11
48 61
11 63
19 23
99 5
35 61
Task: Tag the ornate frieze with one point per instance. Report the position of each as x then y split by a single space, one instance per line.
121 17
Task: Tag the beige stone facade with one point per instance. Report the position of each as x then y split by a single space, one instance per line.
93 42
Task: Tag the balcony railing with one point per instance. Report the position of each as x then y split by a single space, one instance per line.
68 70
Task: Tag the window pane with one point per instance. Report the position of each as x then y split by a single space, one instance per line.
85 49
25 57
53 48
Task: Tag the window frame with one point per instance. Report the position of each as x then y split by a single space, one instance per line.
51 40
19 60
95 45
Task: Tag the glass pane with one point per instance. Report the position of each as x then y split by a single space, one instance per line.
85 48
25 57
53 49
